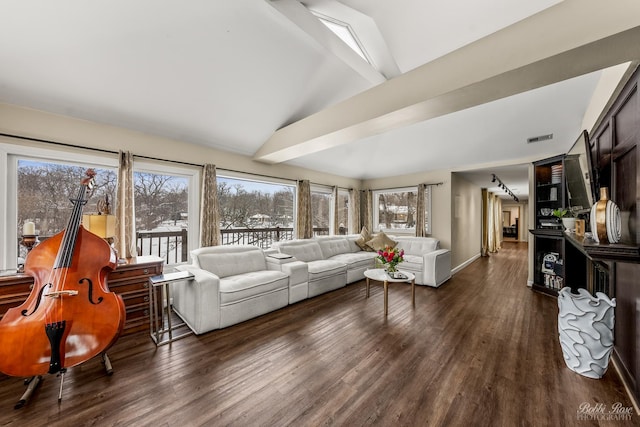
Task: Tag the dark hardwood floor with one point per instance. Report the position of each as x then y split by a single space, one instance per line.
481 350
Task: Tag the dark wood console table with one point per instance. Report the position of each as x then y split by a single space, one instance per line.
129 280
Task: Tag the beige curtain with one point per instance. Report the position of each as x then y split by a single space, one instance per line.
494 222
368 210
209 208
485 222
336 225
304 224
421 211
497 223
125 211
354 211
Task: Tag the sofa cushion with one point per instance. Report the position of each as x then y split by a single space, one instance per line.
325 268
412 262
331 246
242 286
356 260
306 251
418 245
226 261
381 241
361 241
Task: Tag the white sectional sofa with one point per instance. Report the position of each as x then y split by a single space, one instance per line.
236 283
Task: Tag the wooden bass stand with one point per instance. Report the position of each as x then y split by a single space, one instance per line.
33 382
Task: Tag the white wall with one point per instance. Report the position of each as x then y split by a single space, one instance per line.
466 232
47 126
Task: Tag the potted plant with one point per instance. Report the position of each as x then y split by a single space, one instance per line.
566 215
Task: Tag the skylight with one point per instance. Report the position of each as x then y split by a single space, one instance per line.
345 33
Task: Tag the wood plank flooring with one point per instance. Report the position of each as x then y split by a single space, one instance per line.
482 350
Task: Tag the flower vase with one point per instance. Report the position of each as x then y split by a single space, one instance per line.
606 225
391 268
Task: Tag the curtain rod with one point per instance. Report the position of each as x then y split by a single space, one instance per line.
404 186
102 150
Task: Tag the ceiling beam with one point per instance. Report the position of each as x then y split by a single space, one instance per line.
570 39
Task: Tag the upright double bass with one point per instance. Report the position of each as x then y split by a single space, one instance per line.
70 315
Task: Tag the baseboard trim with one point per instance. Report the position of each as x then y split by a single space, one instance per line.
465 264
620 370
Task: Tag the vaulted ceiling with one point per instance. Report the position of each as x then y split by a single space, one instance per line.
454 85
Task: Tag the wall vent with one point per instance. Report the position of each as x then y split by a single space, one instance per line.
539 138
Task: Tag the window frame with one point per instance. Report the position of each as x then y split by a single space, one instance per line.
325 190
193 175
10 154
261 179
412 230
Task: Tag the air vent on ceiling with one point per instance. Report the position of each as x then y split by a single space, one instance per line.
539 138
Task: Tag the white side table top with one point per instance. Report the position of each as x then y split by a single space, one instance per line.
381 275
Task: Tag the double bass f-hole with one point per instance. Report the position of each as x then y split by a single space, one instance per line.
25 312
90 284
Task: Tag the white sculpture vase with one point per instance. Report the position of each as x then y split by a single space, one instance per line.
606 225
585 325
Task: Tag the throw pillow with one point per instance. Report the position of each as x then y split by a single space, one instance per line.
381 241
361 241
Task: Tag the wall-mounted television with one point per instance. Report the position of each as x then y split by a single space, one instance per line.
578 167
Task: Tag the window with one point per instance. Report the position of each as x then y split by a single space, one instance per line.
165 211
395 210
345 33
45 189
343 212
37 188
255 212
321 209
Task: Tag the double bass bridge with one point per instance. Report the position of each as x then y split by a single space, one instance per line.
58 294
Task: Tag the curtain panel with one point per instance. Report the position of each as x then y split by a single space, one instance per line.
421 211
304 224
368 210
336 225
209 208
491 223
354 211
497 223
485 222
125 211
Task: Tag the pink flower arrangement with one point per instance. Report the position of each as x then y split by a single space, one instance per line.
390 257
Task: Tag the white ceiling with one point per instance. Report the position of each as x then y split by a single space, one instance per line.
231 73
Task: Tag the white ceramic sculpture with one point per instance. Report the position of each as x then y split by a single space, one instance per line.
585 325
606 225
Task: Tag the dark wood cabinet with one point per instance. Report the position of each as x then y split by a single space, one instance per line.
129 280
548 238
614 268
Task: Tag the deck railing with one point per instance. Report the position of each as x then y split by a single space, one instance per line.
173 246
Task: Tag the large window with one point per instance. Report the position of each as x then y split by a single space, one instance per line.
395 210
163 212
37 186
45 189
255 212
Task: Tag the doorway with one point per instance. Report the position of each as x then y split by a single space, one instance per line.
510 223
